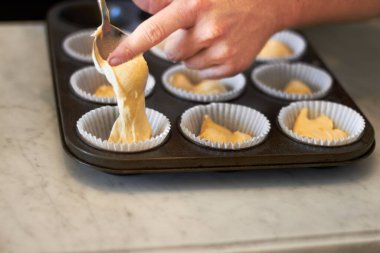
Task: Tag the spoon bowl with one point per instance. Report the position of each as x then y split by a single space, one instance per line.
107 37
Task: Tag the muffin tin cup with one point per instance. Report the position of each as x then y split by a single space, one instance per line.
95 127
293 40
78 45
343 117
272 78
85 81
234 117
235 86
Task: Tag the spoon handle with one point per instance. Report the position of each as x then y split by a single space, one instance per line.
105 12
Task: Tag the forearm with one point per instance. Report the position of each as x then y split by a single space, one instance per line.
310 12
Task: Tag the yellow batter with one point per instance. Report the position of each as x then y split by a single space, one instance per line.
274 48
205 87
320 128
128 81
104 91
214 132
297 87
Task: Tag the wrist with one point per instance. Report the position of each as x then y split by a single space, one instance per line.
288 13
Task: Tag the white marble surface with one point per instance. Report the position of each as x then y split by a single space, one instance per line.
50 204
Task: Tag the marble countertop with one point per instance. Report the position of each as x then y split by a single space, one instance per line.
48 203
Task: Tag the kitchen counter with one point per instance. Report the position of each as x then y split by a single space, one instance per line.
49 203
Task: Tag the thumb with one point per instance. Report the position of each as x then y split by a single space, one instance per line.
152 31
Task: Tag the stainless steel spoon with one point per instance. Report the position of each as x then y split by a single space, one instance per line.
109 37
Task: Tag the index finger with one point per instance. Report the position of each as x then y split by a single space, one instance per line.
152 31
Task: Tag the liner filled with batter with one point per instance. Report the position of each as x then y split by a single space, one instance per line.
224 126
135 128
321 123
93 86
186 84
292 81
283 46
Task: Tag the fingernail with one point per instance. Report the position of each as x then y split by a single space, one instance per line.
189 66
115 61
203 74
170 57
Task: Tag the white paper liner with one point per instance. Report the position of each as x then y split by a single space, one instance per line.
293 40
272 79
86 80
343 117
234 117
95 127
79 45
159 53
235 86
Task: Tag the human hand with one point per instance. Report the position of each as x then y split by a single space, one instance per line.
217 37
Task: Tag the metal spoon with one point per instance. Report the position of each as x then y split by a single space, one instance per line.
109 37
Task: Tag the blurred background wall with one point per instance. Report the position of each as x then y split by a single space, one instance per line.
26 10
33 10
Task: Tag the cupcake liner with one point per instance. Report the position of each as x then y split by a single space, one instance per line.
235 86
344 118
272 78
231 116
86 80
95 127
79 45
293 40
157 51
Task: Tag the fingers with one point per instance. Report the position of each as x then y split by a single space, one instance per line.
184 44
214 55
218 71
225 69
152 31
152 6
181 45
218 61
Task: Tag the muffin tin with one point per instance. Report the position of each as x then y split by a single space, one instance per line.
178 153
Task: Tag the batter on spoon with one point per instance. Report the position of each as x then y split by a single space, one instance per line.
128 81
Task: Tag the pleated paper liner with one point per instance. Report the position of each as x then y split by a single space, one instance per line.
291 39
235 86
86 80
95 127
234 117
78 45
343 117
272 79
158 51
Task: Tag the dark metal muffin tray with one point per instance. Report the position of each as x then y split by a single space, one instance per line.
178 153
